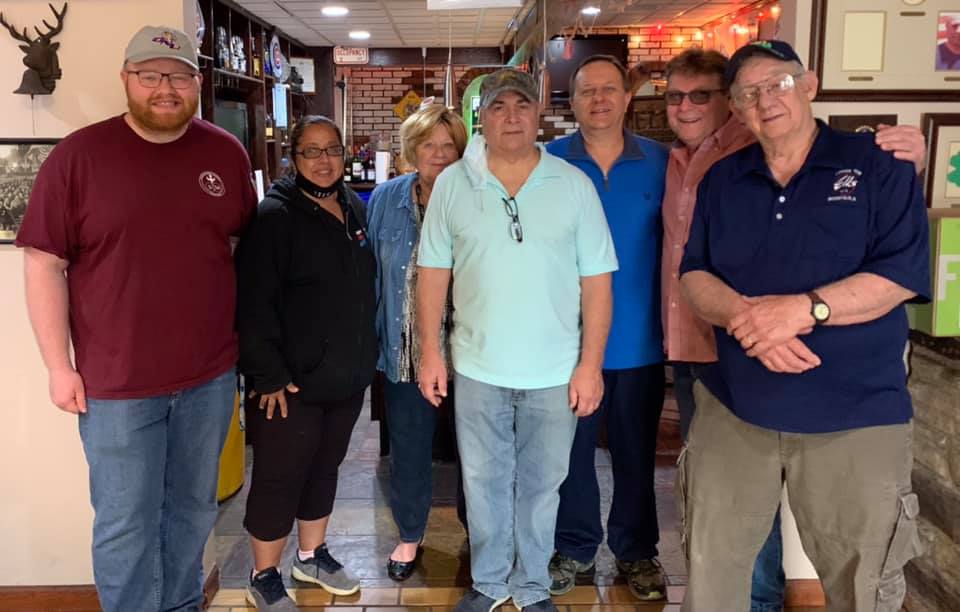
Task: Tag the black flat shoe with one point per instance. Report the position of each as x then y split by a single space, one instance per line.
401 570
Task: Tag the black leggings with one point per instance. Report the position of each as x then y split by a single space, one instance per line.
295 462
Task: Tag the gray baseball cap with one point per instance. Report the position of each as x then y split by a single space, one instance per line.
507 79
158 42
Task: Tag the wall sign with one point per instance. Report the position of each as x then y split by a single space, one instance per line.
941 317
350 55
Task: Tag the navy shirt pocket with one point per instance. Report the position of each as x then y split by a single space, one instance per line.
836 230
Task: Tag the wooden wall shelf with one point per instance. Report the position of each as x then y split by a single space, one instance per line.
237 92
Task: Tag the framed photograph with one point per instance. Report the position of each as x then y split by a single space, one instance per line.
948 42
305 69
860 123
891 50
942 180
20 159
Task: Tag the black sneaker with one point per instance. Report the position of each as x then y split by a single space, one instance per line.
475 601
563 573
266 592
544 605
645 579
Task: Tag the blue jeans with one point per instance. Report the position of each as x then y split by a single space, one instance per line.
154 464
412 421
631 406
514 450
769 582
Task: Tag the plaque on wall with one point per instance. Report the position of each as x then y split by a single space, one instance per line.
942 184
860 123
896 50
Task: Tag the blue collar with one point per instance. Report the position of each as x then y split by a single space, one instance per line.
631 148
825 153
405 185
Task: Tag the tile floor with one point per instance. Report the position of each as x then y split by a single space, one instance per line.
362 533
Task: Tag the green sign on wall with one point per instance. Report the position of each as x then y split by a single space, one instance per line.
942 316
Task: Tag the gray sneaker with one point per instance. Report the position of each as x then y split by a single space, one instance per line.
645 578
475 601
326 571
544 605
563 573
266 592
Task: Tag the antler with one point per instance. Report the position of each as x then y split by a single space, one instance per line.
53 31
13 31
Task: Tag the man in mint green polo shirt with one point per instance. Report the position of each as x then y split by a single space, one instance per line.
523 236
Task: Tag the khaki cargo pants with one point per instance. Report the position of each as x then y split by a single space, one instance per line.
849 491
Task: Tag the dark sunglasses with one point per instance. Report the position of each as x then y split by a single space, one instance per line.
516 230
697 96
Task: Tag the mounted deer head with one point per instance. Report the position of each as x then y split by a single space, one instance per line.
43 65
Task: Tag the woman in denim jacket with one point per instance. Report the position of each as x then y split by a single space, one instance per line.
430 140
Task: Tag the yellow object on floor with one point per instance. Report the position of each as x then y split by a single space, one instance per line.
232 457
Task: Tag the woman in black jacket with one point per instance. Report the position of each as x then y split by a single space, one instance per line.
308 349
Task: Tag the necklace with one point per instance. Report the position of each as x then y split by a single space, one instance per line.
418 200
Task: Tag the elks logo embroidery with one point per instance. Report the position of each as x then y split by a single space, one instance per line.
212 184
167 39
844 184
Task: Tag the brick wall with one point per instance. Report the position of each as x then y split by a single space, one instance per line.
375 90
934 578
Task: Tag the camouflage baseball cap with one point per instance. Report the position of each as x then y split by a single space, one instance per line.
158 42
507 79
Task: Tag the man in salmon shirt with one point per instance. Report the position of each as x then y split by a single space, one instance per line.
698 111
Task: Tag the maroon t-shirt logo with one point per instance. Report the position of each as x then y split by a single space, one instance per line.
212 184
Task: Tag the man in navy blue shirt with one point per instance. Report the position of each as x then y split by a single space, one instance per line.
628 173
802 251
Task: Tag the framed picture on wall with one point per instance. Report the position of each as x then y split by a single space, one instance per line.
860 123
942 181
20 159
893 50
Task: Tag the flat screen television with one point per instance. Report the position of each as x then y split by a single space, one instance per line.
561 62
232 116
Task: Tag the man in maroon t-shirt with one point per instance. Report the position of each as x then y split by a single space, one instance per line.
127 246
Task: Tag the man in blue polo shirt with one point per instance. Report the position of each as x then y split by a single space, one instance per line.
802 251
628 173
523 236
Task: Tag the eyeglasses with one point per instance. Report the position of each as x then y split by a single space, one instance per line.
152 79
516 230
315 152
775 86
697 96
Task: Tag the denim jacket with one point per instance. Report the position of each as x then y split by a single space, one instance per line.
392 228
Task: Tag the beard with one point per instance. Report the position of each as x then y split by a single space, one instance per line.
144 115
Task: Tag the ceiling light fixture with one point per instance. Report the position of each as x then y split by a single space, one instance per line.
591 11
334 11
359 35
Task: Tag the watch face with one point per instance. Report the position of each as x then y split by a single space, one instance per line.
821 311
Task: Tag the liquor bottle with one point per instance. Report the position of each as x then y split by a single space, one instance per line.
268 125
369 166
356 166
255 56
